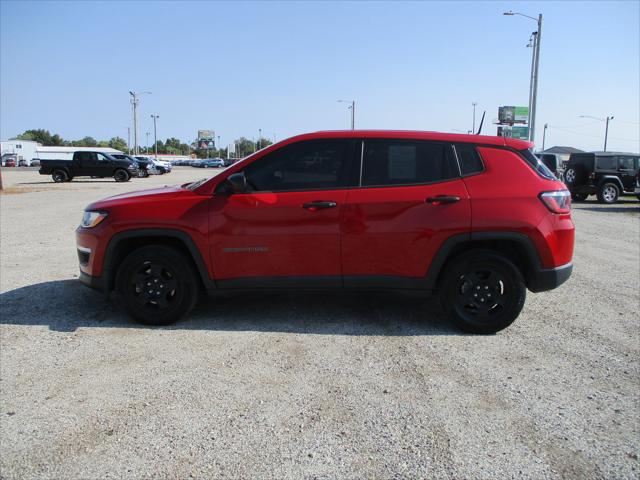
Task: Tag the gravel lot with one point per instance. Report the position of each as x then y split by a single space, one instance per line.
310 386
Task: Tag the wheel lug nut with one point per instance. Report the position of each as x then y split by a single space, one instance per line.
486 287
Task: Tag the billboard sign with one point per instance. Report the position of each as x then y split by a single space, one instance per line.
206 135
511 115
521 133
205 144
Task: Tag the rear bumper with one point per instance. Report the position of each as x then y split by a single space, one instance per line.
544 279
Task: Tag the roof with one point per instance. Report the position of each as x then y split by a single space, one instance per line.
77 149
416 135
605 154
562 150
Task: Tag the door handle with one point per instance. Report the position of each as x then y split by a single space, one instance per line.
318 204
442 199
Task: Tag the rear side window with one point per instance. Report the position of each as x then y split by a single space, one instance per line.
468 159
389 162
627 163
540 168
606 163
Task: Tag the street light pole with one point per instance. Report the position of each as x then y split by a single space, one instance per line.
155 133
259 138
219 146
474 116
147 143
606 128
535 62
352 107
544 135
134 101
129 140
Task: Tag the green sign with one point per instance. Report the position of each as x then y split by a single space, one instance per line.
521 114
521 133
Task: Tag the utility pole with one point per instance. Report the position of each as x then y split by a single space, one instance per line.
606 132
155 133
473 129
129 140
259 138
134 101
535 62
219 146
544 135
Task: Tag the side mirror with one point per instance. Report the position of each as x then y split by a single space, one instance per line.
236 183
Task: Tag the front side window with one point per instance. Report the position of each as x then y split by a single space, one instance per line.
389 162
102 158
316 165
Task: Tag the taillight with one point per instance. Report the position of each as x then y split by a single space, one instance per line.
557 201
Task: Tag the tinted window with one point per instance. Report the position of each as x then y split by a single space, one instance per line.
626 163
302 166
606 163
102 158
535 163
85 156
469 159
400 163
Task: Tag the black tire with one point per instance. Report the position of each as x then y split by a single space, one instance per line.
608 193
482 292
579 197
145 173
170 279
574 175
59 176
121 175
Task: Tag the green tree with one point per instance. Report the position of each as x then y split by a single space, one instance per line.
263 142
118 143
244 147
40 135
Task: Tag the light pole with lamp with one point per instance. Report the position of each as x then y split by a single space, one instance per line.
474 116
353 111
544 135
606 128
535 60
155 133
134 101
259 139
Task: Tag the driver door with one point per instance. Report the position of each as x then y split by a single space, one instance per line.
284 231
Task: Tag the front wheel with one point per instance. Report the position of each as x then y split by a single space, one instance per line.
482 292
158 285
121 176
608 193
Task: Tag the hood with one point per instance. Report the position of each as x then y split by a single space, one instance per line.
151 195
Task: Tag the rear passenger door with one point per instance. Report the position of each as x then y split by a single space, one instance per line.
628 168
409 200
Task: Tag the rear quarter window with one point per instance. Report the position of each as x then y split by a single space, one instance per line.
539 167
606 163
469 159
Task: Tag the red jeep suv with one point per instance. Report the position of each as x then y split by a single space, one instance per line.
477 219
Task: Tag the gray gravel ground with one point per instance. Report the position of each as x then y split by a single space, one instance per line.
310 386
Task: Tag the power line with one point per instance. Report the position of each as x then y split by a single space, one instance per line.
592 136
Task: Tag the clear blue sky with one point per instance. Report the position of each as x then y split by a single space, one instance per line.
239 66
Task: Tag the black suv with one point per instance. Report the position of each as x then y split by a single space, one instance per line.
605 174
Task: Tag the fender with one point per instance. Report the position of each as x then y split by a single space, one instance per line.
440 259
184 237
613 179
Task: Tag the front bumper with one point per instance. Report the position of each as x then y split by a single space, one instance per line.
543 279
96 283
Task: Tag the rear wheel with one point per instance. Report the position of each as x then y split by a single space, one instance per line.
121 175
608 193
482 292
59 176
158 285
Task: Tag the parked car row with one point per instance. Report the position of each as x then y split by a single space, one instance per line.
101 165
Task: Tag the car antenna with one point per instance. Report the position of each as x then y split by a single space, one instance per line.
481 122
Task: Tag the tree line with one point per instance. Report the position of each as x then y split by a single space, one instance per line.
172 145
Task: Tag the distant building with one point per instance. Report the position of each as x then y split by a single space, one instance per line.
24 149
66 153
563 153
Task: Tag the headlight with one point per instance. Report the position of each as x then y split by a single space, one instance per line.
91 219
